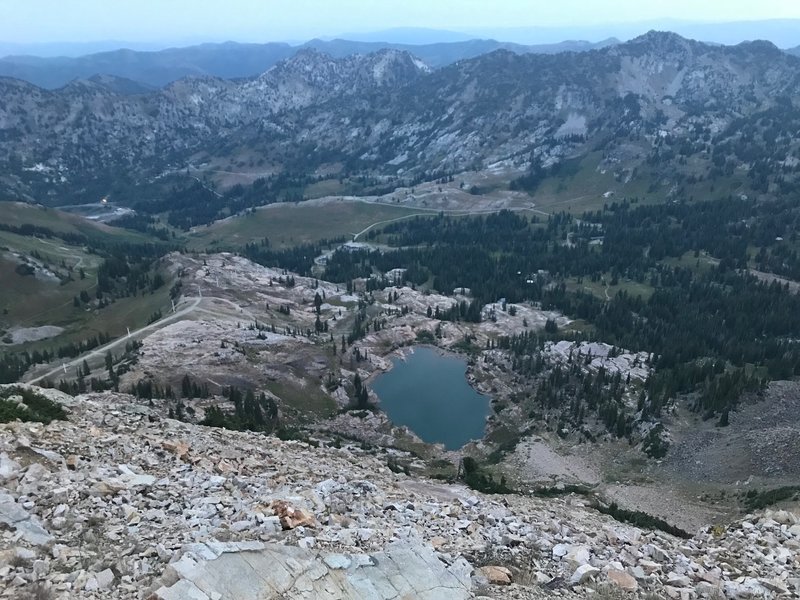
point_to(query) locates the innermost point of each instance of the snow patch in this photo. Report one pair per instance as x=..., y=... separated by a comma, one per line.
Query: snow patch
x=34, y=334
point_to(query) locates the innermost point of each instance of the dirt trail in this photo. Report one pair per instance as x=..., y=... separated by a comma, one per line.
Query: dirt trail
x=103, y=349
x=65, y=253
x=386, y=222
x=213, y=191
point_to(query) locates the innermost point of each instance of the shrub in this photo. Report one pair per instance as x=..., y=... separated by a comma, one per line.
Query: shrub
x=755, y=500
x=37, y=406
x=640, y=519
x=425, y=337
x=479, y=481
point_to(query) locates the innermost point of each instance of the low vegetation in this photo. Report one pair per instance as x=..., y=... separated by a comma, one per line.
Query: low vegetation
x=640, y=519
x=756, y=500
x=21, y=403
x=250, y=412
x=562, y=490
x=480, y=480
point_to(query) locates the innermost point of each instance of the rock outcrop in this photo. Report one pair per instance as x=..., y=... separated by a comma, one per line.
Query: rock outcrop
x=253, y=571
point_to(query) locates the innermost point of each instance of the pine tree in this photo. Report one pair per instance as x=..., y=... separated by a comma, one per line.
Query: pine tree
x=317, y=303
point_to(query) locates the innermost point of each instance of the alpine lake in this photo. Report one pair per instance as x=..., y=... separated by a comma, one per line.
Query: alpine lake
x=428, y=392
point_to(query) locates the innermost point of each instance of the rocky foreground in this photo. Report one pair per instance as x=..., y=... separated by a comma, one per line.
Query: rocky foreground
x=119, y=503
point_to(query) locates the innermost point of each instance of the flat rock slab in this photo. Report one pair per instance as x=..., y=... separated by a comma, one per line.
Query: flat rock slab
x=16, y=517
x=256, y=571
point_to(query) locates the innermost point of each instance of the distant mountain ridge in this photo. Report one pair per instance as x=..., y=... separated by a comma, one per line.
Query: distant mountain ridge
x=407, y=35
x=443, y=54
x=153, y=69
x=784, y=33
x=231, y=60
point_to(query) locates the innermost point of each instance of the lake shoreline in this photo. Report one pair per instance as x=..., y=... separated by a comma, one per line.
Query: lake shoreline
x=437, y=401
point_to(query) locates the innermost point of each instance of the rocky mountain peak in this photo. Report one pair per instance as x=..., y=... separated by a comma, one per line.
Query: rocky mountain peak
x=763, y=49
x=307, y=55
x=308, y=63
x=661, y=40
x=393, y=67
x=318, y=68
x=662, y=44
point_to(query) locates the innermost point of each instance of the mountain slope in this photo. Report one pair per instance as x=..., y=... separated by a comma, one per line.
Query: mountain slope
x=176, y=510
x=650, y=104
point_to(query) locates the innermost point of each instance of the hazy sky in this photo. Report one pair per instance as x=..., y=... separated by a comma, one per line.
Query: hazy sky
x=35, y=21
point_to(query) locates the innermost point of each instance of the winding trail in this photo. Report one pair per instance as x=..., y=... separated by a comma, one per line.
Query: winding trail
x=193, y=307
x=386, y=222
x=119, y=341
x=253, y=175
x=452, y=211
x=65, y=252
x=237, y=307
x=201, y=182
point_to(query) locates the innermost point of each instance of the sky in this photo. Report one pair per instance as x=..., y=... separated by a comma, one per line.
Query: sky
x=48, y=21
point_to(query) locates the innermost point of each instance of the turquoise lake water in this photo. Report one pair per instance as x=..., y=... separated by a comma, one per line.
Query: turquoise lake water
x=428, y=392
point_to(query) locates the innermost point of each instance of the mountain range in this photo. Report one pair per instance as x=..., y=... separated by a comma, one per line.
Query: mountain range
x=151, y=66
x=232, y=60
x=675, y=108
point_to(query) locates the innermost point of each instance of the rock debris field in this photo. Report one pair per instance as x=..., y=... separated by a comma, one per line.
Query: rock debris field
x=116, y=502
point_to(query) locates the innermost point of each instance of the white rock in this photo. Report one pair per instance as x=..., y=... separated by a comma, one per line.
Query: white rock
x=241, y=526
x=105, y=579
x=583, y=573
x=91, y=585
x=8, y=468
x=622, y=580
x=337, y=561
x=676, y=580
x=649, y=566
x=307, y=542
x=774, y=585
x=659, y=554
x=780, y=516
x=40, y=568
x=578, y=556
x=748, y=588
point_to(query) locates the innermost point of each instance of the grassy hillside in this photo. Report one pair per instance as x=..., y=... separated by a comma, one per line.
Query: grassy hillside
x=288, y=225
x=50, y=279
